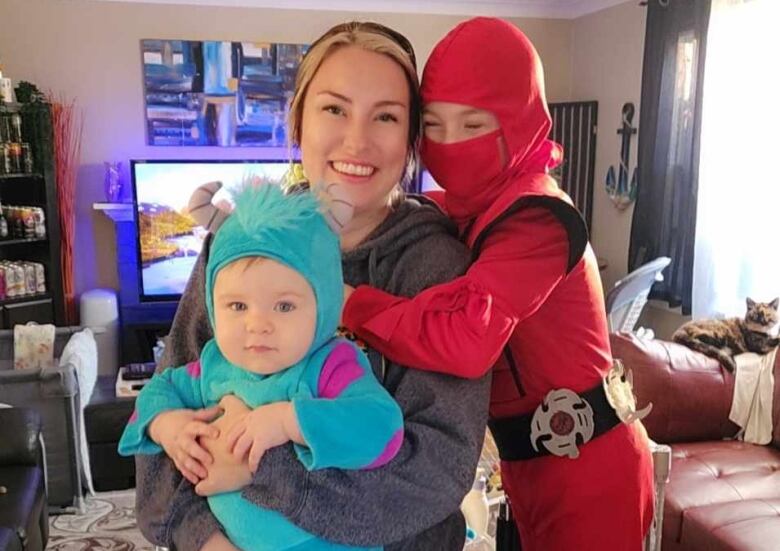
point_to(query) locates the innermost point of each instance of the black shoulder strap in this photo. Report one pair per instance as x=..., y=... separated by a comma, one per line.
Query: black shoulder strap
x=569, y=216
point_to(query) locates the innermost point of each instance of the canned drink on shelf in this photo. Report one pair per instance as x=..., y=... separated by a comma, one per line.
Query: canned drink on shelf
x=5, y=128
x=3, y=226
x=7, y=276
x=40, y=277
x=15, y=153
x=5, y=159
x=16, y=128
x=9, y=214
x=28, y=222
x=27, y=159
x=11, y=286
x=21, y=285
x=30, y=287
x=17, y=224
x=40, y=222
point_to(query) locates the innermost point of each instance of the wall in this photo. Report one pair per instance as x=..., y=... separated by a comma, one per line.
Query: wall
x=607, y=66
x=90, y=51
x=607, y=52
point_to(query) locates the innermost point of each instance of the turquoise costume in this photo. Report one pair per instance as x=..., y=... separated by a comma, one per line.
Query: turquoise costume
x=347, y=418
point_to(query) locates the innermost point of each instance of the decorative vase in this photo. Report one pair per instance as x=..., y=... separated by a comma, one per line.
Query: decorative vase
x=112, y=184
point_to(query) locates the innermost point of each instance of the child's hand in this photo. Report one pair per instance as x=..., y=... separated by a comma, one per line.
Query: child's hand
x=177, y=431
x=261, y=429
x=218, y=542
x=226, y=473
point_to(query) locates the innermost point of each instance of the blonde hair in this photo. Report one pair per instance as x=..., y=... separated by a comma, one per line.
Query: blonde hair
x=371, y=37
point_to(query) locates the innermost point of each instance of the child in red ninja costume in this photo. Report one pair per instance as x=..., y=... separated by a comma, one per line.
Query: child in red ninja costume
x=530, y=306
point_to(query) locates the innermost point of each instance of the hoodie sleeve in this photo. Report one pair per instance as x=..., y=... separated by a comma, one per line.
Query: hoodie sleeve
x=352, y=422
x=461, y=327
x=174, y=388
x=415, y=498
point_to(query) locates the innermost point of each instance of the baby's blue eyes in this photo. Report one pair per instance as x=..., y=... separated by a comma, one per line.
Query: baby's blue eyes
x=284, y=307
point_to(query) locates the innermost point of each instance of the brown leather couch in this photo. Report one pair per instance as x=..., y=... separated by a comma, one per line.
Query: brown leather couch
x=722, y=494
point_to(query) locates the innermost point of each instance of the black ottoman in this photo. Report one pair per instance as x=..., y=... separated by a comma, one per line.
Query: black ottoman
x=105, y=418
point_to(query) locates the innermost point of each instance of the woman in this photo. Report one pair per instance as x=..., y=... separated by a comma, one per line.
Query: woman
x=355, y=116
x=577, y=477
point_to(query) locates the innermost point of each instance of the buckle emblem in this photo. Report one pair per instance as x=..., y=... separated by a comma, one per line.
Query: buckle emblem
x=619, y=389
x=557, y=422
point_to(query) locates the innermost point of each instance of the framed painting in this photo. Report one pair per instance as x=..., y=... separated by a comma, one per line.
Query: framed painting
x=218, y=93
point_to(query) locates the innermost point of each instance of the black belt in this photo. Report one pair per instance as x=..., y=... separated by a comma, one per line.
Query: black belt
x=513, y=435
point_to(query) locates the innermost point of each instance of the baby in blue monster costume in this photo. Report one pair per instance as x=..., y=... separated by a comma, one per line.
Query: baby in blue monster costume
x=274, y=295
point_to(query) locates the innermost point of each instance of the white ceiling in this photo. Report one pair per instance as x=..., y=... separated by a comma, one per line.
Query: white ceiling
x=558, y=9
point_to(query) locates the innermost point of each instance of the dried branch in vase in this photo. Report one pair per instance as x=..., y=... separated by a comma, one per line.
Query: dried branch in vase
x=68, y=125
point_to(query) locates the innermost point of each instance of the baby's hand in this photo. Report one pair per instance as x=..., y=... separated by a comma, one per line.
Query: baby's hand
x=177, y=432
x=226, y=473
x=266, y=427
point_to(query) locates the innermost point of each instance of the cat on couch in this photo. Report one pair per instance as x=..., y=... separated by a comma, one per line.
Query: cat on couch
x=722, y=339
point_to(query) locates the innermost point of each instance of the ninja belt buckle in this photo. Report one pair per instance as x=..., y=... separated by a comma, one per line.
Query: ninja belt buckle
x=562, y=416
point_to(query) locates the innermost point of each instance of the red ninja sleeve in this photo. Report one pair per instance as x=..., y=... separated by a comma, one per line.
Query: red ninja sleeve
x=462, y=326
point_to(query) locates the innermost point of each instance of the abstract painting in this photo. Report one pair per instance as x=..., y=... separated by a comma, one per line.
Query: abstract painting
x=218, y=93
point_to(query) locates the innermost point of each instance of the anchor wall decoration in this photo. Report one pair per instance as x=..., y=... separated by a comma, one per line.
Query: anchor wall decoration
x=621, y=191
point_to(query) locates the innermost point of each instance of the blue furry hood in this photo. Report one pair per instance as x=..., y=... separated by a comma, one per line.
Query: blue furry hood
x=289, y=229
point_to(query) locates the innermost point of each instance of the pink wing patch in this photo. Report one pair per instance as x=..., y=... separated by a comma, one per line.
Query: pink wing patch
x=193, y=369
x=133, y=417
x=390, y=450
x=341, y=369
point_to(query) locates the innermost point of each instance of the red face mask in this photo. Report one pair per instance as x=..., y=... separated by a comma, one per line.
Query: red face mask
x=465, y=169
x=489, y=64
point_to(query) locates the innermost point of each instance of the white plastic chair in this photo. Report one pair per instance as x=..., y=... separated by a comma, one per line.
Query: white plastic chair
x=624, y=303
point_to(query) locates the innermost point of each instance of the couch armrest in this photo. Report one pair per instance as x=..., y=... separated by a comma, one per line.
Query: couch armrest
x=691, y=393
x=20, y=430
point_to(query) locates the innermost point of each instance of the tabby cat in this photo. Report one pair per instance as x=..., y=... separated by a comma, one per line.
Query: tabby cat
x=724, y=338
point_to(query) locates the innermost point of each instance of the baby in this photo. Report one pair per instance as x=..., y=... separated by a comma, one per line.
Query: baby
x=273, y=294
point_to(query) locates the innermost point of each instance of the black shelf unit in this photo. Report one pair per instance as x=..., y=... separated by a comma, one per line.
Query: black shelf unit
x=37, y=189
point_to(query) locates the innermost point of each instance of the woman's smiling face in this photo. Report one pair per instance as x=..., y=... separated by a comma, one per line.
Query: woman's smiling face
x=355, y=126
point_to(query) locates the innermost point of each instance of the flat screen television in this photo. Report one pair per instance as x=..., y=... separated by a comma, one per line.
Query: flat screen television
x=427, y=183
x=168, y=239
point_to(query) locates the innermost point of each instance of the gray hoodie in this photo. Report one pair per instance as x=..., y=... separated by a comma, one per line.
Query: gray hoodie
x=410, y=504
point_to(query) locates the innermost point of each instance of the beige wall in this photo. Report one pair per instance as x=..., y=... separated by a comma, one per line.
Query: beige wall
x=607, y=51
x=607, y=66
x=90, y=51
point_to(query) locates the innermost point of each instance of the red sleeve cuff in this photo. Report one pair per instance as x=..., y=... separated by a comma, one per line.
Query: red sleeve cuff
x=368, y=309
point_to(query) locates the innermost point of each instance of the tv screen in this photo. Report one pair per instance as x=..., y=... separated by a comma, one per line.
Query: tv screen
x=427, y=183
x=168, y=239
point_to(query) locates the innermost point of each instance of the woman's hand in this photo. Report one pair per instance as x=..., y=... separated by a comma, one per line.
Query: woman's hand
x=177, y=431
x=261, y=429
x=218, y=542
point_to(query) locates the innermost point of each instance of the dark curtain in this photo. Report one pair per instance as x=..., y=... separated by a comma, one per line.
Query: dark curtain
x=669, y=133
